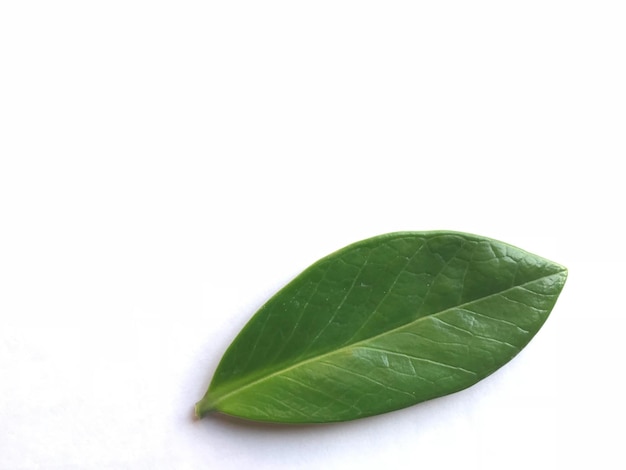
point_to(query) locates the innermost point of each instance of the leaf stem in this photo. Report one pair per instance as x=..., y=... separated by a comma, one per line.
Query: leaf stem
x=204, y=407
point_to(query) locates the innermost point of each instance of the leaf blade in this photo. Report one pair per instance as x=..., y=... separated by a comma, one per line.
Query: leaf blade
x=383, y=324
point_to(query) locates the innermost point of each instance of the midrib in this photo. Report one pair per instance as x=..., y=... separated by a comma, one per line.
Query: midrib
x=356, y=344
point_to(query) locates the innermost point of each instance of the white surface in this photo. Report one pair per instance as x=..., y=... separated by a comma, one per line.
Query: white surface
x=166, y=166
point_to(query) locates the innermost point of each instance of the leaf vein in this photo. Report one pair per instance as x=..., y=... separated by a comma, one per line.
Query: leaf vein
x=488, y=338
x=408, y=356
x=333, y=398
x=365, y=377
x=345, y=297
x=506, y=322
x=389, y=290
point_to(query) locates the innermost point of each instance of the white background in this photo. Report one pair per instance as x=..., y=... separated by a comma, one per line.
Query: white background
x=166, y=166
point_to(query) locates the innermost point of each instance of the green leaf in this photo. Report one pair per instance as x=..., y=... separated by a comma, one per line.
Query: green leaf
x=383, y=324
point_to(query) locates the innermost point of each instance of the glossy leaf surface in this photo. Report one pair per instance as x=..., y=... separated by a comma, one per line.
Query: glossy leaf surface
x=383, y=324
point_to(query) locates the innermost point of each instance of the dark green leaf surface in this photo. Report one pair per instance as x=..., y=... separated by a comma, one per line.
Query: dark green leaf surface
x=383, y=324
